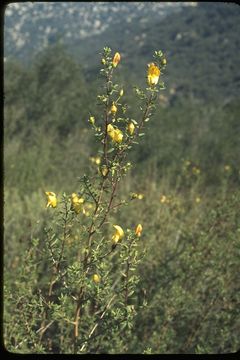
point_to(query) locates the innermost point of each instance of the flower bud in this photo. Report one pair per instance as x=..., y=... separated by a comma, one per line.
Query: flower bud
x=104, y=170
x=134, y=195
x=92, y=120
x=131, y=128
x=96, y=278
x=138, y=230
x=116, y=59
x=121, y=93
x=113, y=109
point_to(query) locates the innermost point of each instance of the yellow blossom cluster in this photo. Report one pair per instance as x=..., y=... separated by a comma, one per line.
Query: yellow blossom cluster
x=164, y=199
x=95, y=160
x=115, y=134
x=119, y=234
x=137, y=196
x=76, y=203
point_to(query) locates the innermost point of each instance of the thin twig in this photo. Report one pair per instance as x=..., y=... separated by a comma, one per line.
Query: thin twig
x=97, y=324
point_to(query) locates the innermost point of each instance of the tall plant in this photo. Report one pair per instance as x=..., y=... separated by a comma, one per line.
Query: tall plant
x=76, y=290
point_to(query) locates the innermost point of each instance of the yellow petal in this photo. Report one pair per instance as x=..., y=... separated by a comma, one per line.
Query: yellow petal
x=110, y=128
x=115, y=239
x=51, y=199
x=119, y=231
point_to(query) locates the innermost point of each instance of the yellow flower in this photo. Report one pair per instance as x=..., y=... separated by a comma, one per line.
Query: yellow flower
x=118, y=234
x=98, y=160
x=104, y=170
x=110, y=128
x=153, y=74
x=118, y=136
x=96, y=278
x=138, y=230
x=111, y=131
x=163, y=199
x=196, y=170
x=51, y=198
x=134, y=196
x=115, y=134
x=140, y=196
x=86, y=208
x=113, y=109
x=131, y=128
x=198, y=199
x=116, y=59
x=77, y=203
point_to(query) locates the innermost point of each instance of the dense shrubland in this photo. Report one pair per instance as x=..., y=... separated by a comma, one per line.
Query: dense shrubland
x=183, y=187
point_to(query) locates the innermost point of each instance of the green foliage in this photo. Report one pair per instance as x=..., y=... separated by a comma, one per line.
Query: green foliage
x=190, y=273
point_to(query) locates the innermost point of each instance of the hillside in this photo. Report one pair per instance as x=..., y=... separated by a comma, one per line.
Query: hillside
x=30, y=27
x=201, y=43
x=200, y=40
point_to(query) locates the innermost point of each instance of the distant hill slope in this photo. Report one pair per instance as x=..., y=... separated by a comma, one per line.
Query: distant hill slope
x=202, y=45
x=201, y=42
x=31, y=26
